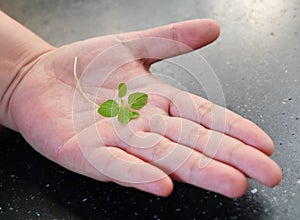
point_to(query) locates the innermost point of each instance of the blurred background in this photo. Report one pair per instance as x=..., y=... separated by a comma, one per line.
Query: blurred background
x=256, y=60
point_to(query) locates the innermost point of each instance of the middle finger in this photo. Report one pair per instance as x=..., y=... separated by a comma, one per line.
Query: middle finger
x=185, y=164
x=219, y=146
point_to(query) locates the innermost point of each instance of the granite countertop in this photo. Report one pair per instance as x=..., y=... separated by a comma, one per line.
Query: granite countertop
x=257, y=63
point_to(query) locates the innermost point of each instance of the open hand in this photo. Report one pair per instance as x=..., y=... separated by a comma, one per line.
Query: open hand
x=174, y=137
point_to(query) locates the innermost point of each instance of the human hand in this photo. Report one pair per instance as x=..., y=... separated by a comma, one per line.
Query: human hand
x=169, y=141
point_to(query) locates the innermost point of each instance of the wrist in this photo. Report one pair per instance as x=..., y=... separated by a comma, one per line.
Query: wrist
x=19, y=49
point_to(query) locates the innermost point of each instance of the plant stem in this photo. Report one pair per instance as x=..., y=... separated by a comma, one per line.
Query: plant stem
x=79, y=87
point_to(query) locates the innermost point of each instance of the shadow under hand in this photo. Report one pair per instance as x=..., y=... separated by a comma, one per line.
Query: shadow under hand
x=32, y=186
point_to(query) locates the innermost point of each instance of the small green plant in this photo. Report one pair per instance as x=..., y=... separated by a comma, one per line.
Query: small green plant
x=112, y=108
x=124, y=111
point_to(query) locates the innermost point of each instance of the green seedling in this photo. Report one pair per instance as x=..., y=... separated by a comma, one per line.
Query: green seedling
x=112, y=108
x=124, y=111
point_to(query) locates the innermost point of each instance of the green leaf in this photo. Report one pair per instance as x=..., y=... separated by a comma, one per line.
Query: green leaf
x=137, y=100
x=109, y=108
x=122, y=90
x=135, y=115
x=124, y=115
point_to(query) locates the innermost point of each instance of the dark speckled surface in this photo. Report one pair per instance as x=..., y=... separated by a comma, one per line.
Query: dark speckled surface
x=257, y=62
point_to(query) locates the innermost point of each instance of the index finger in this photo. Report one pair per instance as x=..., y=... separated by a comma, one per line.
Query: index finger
x=202, y=111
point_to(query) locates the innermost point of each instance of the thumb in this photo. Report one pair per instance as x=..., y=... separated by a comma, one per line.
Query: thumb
x=171, y=40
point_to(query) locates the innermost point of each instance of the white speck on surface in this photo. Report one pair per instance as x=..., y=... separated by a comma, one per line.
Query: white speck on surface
x=298, y=182
x=37, y=214
x=254, y=191
x=155, y=216
x=47, y=185
x=84, y=200
x=283, y=103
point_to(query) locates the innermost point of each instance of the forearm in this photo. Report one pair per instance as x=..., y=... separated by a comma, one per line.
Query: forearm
x=18, y=48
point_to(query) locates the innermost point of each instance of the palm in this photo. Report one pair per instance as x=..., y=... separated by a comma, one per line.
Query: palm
x=165, y=141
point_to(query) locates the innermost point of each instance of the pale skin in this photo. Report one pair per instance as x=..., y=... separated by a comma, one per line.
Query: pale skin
x=37, y=90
